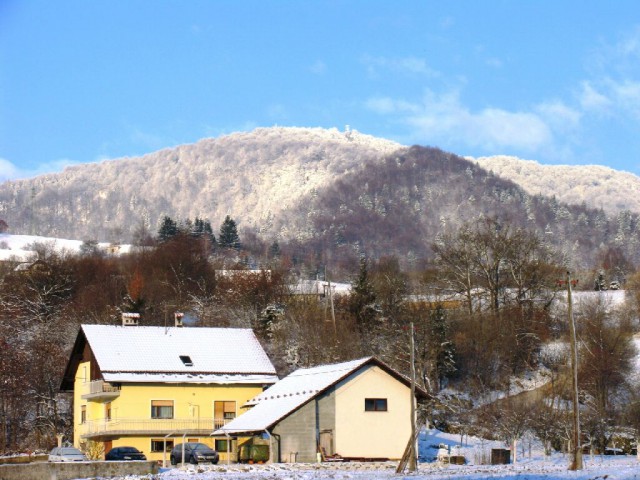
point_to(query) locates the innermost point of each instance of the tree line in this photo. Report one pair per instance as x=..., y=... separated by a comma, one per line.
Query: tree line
x=482, y=313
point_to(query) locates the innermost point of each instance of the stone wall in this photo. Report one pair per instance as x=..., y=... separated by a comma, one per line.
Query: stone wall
x=72, y=470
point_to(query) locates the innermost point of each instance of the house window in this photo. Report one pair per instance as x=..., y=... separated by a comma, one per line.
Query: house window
x=161, y=408
x=221, y=446
x=107, y=411
x=375, y=404
x=157, y=445
x=224, y=411
x=186, y=359
x=83, y=414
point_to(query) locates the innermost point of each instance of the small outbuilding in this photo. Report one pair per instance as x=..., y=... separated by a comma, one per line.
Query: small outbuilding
x=353, y=410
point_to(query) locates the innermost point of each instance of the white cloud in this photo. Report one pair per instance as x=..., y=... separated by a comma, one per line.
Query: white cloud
x=629, y=46
x=592, y=99
x=8, y=171
x=613, y=86
x=627, y=94
x=560, y=116
x=443, y=117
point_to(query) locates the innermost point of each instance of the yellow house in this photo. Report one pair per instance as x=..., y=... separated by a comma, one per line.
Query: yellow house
x=355, y=410
x=153, y=387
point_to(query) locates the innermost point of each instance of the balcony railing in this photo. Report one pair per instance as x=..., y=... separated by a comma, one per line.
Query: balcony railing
x=100, y=390
x=154, y=426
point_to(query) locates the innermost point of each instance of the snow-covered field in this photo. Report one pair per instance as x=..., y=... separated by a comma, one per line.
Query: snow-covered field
x=20, y=247
x=531, y=465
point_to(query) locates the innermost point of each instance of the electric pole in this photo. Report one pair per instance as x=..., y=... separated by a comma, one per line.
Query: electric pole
x=413, y=458
x=576, y=462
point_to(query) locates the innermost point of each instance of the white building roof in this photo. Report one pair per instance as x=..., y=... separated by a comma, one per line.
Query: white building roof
x=288, y=395
x=319, y=287
x=152, y=354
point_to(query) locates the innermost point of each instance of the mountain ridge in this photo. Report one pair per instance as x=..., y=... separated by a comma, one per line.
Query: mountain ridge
x=323, y=188
x=593, y=184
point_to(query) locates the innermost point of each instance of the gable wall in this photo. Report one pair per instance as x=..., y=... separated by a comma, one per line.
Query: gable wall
x=372, y=434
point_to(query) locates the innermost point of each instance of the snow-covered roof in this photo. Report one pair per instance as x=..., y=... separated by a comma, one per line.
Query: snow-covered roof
x=221, y=378
x=319, y=287
x=174, y=354
x=289, y=394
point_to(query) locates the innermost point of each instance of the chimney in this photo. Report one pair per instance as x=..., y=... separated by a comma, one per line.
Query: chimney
x=130, y=319
x=178, y=318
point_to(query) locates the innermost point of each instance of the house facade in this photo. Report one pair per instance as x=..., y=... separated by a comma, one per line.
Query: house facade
x=359, y=410
x=153, y=387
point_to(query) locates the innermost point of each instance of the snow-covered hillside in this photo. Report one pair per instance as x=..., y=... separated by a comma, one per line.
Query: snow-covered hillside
x=597, y=186
x=22, y=248
x=251, y=176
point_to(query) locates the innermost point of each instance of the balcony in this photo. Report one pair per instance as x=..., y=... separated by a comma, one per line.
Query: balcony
x=99, y=391
x=196, y=427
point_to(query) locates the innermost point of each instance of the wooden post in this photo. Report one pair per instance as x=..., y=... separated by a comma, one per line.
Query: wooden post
x=413, y=458
x=409, y=458
x=576, y=461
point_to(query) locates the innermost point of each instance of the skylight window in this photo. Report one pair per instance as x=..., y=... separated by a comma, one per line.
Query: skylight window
x=186, y=359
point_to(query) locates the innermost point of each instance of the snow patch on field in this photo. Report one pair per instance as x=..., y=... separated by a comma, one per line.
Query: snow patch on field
x=532, y=465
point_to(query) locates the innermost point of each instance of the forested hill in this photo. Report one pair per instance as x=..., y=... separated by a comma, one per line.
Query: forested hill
x=250, y=176
x=324, y=190
x=595, y=185
x=400, y=205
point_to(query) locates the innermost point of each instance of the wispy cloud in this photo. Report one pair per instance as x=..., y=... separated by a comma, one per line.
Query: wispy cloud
x=591, y=99
x=610, y=88
x=9, y=171
x=318, y=67
x=613, y=86
x=150, y=141
x=406, y=65
x=277, y=111
x=559, y=115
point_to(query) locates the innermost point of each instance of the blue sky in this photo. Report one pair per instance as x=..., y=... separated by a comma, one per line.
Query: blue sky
x=552, y=81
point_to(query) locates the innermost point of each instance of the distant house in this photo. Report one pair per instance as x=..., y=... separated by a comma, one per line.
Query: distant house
x=320, y=289
x=38, y=266
x=359, y=409
x=149, y=387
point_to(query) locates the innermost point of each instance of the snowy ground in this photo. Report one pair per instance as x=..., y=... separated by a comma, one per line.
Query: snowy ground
x=20, y=247
x=531, y=465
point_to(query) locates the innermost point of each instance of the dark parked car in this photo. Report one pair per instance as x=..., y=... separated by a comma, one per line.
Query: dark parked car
x=125, y=453
x=193, y=453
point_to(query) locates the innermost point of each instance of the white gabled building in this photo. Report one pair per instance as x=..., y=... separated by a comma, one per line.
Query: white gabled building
x=359, y=409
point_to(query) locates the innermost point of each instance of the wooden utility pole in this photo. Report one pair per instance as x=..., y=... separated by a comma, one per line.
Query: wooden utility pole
x=329, y=296
x=576, y=462
x=413, y=458
x=410, y=458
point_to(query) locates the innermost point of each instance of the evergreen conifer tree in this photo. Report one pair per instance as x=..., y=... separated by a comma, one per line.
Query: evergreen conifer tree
x=362, y=302
x=229, y=237
x=442, y=347
x=168, y=229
